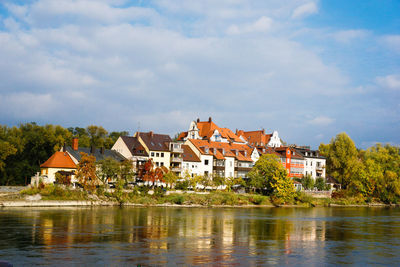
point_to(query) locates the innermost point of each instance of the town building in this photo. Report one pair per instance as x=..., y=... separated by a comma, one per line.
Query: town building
x=158, y=147
x=314, y=163
x=260, y=138
x=59, y=162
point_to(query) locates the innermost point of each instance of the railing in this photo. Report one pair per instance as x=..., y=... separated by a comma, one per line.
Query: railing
x=176, y=149
x=175, y=159
x=176, y=169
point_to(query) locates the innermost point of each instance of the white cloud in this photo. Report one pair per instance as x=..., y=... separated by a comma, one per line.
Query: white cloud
x=263, y=24
x=26, y=105
x=321, y=121
x=392, y=42
x=305, y=10
x=391, y=82
x=347, y=36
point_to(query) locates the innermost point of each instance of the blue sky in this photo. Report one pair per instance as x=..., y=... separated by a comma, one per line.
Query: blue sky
x=306, y=68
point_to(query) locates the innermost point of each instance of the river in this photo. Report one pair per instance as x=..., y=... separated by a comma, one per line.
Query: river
x=128, y=236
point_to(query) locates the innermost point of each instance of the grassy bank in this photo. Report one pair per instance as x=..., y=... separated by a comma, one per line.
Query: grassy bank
x=159, y=197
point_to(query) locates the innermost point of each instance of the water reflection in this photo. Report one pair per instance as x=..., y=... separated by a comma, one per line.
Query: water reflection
x=198, y=236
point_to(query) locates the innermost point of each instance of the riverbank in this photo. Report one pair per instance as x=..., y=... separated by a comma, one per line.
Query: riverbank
x=60, y=197
x=76, y=203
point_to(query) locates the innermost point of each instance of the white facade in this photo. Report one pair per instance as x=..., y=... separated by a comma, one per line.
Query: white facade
x=49, y=174
x=160, y=158
x=121, y=147
x=274, y=141
x=229, y=167
x=192, y=168
x=314, y=167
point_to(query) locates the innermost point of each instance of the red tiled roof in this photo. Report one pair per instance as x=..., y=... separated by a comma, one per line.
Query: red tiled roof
x=217, y=148
x=59, y=160
x=254, y=138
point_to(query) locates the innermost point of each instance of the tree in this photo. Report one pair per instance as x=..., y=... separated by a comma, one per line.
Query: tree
x=126, y=171
x=97, y=135
x=86, y=172
x=342, y=158
x=320, y=183
x=170, y=178
x=307, y=182
x=107, y=168
x=269, y=176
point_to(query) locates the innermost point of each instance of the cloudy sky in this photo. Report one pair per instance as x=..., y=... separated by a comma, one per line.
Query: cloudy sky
x=307, y=68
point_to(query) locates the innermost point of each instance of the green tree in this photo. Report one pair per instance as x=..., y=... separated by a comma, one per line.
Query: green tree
x=320, y=183
x=107, y=168
x=269, y=176
x=126, y=171
x=342, y=158
x=97, y=135
x=170, y=178
x=307, y=182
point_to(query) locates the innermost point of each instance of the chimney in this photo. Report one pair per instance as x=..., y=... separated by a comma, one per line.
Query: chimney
x=92, y=149
x=102, y=150
x=75, y=143
x=198, y=120
x=209, y=119
x=151, y=134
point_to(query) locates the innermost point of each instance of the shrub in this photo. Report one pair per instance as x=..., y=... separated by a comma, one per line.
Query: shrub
x=256, y=199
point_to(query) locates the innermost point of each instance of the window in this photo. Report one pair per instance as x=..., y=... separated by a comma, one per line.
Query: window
x=206, y=162
x=152, y=154
x=157, y=154
x=311, y=163
x=162, y=163
x=162, y=154
x=231, y=165
x=157, y=164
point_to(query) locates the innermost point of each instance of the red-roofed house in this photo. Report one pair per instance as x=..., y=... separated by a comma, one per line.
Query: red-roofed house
x=59, y=162
x=208, y=130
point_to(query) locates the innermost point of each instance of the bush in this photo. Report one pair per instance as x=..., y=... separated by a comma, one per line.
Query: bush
x=159, y=192
x=256, y=199
x=182, y=185
x=176, y=199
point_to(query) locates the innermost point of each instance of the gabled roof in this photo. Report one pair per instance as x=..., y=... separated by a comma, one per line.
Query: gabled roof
x=189, y=155
x=256, y=138
x=155, y=142
x=59, y=160
x=107, y=153
x=134, y=146
x=220, y=150
x=282, y=150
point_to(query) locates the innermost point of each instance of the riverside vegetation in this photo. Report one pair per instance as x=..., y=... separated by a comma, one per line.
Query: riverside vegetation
x=366, y=176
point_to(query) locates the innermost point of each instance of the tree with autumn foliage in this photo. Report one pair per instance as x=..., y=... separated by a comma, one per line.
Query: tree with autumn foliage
x=86, y=172
x=270, y=177
x=148, y=173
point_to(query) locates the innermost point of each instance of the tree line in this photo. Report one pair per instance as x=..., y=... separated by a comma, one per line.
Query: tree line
x=23, y=148
x=371, y=174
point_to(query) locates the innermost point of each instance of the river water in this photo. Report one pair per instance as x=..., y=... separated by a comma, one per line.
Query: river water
x=130, y=236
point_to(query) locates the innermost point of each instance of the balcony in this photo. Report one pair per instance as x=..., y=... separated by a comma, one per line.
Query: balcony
x=219, y=168
x=176, y=159
x=176, y=148
x=243, y=169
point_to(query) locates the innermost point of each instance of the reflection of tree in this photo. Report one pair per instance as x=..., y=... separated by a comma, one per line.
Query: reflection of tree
x=199, y=236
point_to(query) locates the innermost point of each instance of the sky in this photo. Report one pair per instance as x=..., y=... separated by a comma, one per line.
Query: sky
x=309, y=69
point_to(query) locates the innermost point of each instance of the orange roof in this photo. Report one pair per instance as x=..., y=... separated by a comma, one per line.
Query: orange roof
x=207, y=128
x=257, y=138
x=59, y=160
x=221, y=150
